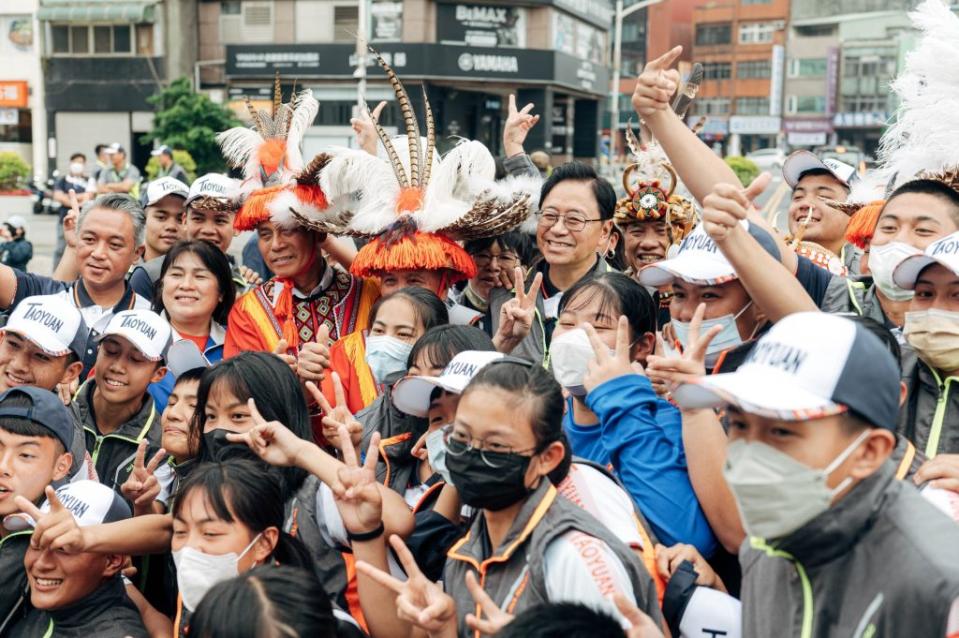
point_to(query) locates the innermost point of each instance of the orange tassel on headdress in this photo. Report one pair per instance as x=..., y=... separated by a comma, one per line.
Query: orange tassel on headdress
x=862, y=224
x=256, y=208
x=271, y=154
x=409, y=200
x=418, y=251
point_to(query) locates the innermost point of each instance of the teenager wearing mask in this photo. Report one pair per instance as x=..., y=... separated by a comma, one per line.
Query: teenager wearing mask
x=366, y=361
x=114, y=406
x=522, y=547
x=195, y=294
x=163, y=204
x=622, y=422
x=811, y=431
x=35, y=452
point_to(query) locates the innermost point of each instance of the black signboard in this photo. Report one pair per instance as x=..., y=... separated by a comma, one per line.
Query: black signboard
x=481, y=25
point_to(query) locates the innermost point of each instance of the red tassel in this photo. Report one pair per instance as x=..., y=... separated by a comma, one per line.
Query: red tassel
x=862, y=225
x=283, y=311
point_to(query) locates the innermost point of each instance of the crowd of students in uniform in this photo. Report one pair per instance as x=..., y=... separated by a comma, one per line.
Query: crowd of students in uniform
x=444, y=411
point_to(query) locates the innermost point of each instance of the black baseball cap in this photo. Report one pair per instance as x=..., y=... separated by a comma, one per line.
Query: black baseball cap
x=47, y=411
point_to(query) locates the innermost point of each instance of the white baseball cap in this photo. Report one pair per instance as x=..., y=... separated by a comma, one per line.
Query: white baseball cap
x=943, y=251
x=412, y=394
x=808, y=366
x=214, y=186
x=803, y=161
x=90, y=502
x=163, y=186
x=16, y=221
x=146, y=330
x=162, y=150
x=52, y=323
x=699, y=260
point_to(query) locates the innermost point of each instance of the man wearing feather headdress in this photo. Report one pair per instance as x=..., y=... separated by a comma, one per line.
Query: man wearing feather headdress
x=308, y=302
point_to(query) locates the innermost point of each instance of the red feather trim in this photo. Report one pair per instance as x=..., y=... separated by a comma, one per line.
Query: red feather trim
x=419, y=251
x=312, y=195
x=256, y=208
x=862, y=225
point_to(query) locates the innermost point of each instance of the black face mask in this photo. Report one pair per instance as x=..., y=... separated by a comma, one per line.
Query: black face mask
x=218, y=448
x=485, y=487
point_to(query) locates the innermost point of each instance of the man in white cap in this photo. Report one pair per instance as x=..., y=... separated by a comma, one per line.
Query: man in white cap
x=211, y=204
x=168, y=167
x=115, y=407
x=814, y=181
x=833, y=540
x=163, y=204
x=76, y=594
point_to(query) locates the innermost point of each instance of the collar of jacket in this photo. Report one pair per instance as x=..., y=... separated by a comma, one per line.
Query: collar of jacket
x=83, y=401
x=110, y=594
x=838, y=529
x=470, y=548
x=541, y=265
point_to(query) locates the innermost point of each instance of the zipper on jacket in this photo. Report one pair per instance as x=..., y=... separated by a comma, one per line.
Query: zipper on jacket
x=807, y=599
x=935, y=431
x=101, y=438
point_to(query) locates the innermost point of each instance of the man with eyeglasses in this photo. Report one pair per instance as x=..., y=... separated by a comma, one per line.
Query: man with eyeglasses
x=576, y=216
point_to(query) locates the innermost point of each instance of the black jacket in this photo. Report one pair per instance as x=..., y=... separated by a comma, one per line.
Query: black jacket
x=106, y=613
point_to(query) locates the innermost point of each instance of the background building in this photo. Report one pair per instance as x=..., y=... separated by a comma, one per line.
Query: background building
x=467, y=56
x=741, y=44
x=22, y=119
x=102, y=60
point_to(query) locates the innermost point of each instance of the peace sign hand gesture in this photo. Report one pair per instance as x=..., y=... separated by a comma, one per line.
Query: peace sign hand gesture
x=271, y=441
x=141, y=487
x=335, y=416
x=673, y=371
x=606, y=366
x=656, y=85
x=494, y=618
x=516, y=315
x=419, y=601
x=56, y=529
x=517, y=127
x=356, y=493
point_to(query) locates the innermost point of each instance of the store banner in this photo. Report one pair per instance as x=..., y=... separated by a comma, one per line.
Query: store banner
x=386, y=19
x=14, y=94
x=481, y=25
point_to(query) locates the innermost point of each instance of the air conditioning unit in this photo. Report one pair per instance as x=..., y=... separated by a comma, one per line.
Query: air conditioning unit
x=257, y=22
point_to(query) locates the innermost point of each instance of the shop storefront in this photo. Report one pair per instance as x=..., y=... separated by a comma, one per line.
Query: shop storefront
x=753, y=132
x=860, y=130
x=808, y=132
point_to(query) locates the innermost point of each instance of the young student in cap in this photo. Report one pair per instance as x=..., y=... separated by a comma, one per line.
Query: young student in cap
x=163, y=203
x=115, y=407
x=834, y=541
x=168, y=167
x=78, y=595
x=42, y=345
x=818, y=229
x=36, y=436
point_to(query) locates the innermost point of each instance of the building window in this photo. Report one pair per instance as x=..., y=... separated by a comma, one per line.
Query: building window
x=865, y=104
x=231, y=7
x=709, y=34
x=717, y=70
x=711, y=106
x=100, y=39
x=806, y=104
x=752, y=106
x=21, y=132
x=816, y=30
x=754, y=69
x=346, y=23
x=757, y=32
x=807, y=67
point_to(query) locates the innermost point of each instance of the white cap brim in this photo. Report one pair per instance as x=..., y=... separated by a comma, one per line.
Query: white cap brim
x=907, y=272
x=689, y=267
x=412, y=394
x=41, y=337
x=802, y=161
x=760, y=391
x=147, y=349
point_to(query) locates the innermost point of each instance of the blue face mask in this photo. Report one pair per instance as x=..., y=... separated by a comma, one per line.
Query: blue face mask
x=727, y=338
x=386, y=356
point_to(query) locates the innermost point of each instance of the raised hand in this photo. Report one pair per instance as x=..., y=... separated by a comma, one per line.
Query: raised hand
x=363, y=126
x=335, y=416
x=656, y=85
x=605, y=366
x=494, y=618
x=674, y=371
x=70, y=220
x=271, y=441
x=727, y=205
x=419, y=601
x=942, y=472
x=314, y=356
x=141, y=487
x=281, y=349
x=668, y=560
x=356, y=493
x=55, y=530
x=517, y=127
x=516, y=315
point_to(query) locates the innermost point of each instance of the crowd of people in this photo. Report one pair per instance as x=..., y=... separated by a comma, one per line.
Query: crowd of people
x=464, y=396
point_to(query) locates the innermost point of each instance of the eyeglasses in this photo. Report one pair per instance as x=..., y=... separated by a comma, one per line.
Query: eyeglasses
x=495, y=455
x=573, y=223
x=505, y=259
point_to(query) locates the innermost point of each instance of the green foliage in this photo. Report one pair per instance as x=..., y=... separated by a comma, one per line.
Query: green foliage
x=745, y=169
x=181, y=157
x=190, y=121
x=13, y=171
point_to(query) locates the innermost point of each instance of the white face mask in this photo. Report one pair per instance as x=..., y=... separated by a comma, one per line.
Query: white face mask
x=934, y=333
x=777, y=494
x=386, y=355
x=436, y=453
x=883, y=261
x=727, y=338
x=569, y=354
x=197, y=572
x=76, y=168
